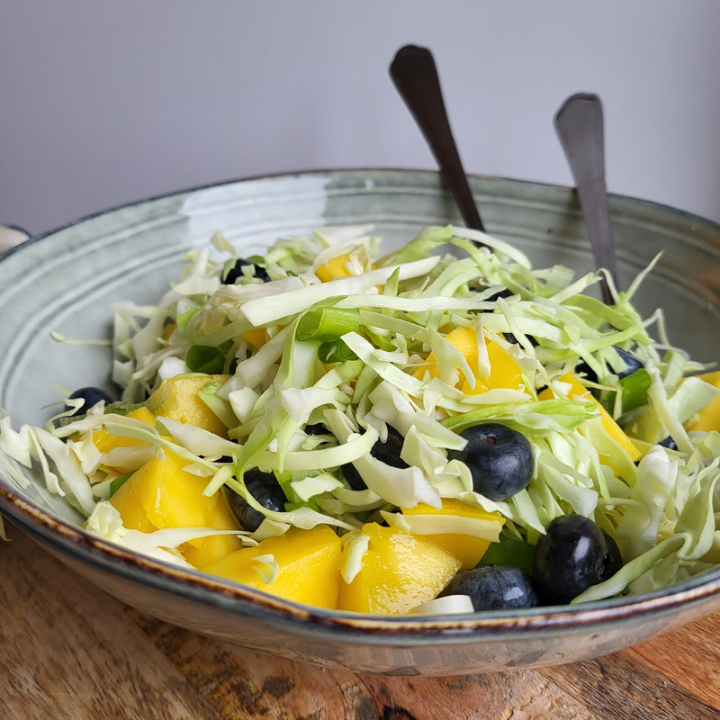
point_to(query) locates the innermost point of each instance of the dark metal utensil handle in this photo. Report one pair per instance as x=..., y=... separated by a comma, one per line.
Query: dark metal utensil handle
x=415, y=76
x=579, y=124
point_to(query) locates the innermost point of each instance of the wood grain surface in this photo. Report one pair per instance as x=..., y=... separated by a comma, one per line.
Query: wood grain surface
x=68, y=650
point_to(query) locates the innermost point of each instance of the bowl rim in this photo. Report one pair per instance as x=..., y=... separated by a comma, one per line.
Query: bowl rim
x=71, y=540
x=617, y=197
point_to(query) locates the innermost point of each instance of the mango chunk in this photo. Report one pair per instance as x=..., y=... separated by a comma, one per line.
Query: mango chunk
x=334, y=268
x=337, y=267
x=612, y=428
x=184, y=405
x=257, y=337
x=466, y=548
x=308, y=562
x=708, y=418
x=169, y=330
x=105, y=442
x=161, y=494
x=400, y=571
x=504, y=370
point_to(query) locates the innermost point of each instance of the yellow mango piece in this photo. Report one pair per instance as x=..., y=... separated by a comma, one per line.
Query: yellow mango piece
x=708, y=418
x=160, y=494
x=130, y=500
x=185, y=406
x=466, y=548
x=612, y=428
x=308, y=560
x=504, y=370
x=169, y=330
x=105, y=442
x=400, y=571
x=334, y=268
x=257, y=337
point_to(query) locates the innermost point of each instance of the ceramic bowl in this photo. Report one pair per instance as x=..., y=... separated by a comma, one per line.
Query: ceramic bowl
x=66, y=280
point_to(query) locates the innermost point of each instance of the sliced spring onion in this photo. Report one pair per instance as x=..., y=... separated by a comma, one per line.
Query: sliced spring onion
x=205, y=359
x=635, y=389
x=327, y=324
x=336, y=352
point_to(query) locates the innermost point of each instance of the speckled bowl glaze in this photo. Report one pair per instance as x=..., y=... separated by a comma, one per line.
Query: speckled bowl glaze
x=66, y=280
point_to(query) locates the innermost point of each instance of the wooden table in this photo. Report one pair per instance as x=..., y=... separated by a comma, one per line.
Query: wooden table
x=68, y=650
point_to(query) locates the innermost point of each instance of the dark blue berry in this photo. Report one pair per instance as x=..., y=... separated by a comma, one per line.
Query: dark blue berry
x=92, y=396
x=583, y=370
x=316, y=429
x=669, y=443
x=499, y=587
x=570, y=557
x=512, y=339
x=265, y=488
x=506, y=293
x=499, y=458
x=387, y=452
x=353, y=477
x=235, y=273
x=613, y=561
x=632, y=364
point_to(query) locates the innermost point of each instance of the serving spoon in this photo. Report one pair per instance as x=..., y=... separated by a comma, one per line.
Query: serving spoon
x=579, y=125
x=416, y=78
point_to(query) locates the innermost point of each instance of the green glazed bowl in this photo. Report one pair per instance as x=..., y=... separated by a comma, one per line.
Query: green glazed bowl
x=65, y=281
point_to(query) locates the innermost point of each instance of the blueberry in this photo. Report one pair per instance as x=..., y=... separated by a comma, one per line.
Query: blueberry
x=478, y=285
x=632, y=364
x=235, y=273
x=669, y=443
x=572, y=556
x=499, y=587
x=265, y=488
x=512, y=339
x=500, y=460
x=387, y=452
x=506, y=293
x=583, y=370
x=353, y=477
x=316, y=429
x=613, y=561
x=92, y=396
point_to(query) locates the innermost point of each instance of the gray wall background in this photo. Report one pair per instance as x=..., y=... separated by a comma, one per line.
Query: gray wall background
x=102, y=103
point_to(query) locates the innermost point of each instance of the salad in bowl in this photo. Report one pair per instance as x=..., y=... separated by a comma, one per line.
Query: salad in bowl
x=433, y=430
